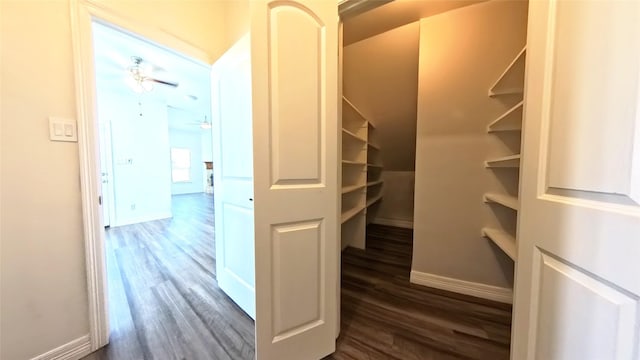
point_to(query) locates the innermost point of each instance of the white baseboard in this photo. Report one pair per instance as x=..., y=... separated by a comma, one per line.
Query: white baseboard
x=407, y=224
x=489, y=292
x=72, y=350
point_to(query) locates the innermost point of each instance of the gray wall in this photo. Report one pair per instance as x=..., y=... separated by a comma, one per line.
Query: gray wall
x=462, y=53
x=381, y=80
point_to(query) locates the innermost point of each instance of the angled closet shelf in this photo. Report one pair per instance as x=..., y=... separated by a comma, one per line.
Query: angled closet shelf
x=508, y=201
x=361, y=174
x=505, y=241
x=511, y=120
x=509, y=84
x=511, y=161
x=511, y=81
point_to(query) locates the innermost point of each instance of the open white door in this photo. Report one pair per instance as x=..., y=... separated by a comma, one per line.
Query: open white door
x=106, y=172
x=294, y=58
x=233, y=175
x=578, y=271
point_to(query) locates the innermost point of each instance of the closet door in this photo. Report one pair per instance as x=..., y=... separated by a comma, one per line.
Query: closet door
x=294, y=49
x=233, y=175
x=577, y=293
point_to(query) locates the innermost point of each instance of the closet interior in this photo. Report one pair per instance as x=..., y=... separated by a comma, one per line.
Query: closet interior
x=361, y=174
x=453, y=78
x=510, y=83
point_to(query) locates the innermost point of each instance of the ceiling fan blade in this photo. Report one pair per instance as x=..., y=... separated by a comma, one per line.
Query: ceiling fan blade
x=168, y=83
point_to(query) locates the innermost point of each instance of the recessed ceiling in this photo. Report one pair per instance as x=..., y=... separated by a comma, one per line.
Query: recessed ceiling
x=114, y=50
x=395, y=14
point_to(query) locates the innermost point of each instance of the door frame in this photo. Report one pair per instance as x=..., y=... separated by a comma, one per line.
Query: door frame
x=83, y=13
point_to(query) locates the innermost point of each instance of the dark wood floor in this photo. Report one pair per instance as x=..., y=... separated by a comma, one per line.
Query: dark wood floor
x=386, y=317
x=165, y=303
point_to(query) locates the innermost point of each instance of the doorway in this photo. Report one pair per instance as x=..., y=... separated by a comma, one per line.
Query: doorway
x=156, y=162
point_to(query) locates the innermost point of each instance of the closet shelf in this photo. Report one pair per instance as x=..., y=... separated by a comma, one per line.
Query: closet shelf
x=351, y=188
x=512, y=161
x=363, y=119
x=356, y=163
x=354, y=135
x=371, y=125
x=511, y=120
x=373, y=146
x=516, y=65
x=374, y=200
x=373, y=183
x=503, y=240
x=504, y=200
x=375, y=165
x=350, y=213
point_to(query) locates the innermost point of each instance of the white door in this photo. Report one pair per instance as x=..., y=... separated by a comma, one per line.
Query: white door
x=578, y=271
x=233, y=175
x=106, y=172
x=294, y=58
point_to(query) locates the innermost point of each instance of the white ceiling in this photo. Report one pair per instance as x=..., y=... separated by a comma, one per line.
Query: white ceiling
x=113, y=52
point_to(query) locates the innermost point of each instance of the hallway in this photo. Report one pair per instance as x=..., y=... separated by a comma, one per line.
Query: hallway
x=164, y=300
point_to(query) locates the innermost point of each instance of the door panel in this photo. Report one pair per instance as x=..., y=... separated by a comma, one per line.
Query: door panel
x=303, y=276
x=562, y=320
x=577, y=293
x=294, y=48
x=233, y=174
x=296, y=125
x=589, y=37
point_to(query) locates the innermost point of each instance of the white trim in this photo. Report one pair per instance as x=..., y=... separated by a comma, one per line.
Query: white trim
x=89, y=179
x=83, y=12
x=489, y=292
x=73, y=350
x=407, y=224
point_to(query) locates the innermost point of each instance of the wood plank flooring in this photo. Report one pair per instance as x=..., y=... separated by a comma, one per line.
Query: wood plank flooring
x=386, y=317
x=164, y=301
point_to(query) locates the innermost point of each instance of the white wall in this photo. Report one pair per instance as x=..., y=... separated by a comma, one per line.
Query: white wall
x=43, y=294
x=140, y=150
x=462, y=53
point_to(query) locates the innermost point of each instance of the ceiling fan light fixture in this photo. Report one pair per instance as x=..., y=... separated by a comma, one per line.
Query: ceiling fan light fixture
x=206, y=124
x=139, y=85
x=137, y=80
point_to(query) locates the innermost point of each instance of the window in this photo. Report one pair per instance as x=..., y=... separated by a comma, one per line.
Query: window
x=180, y=165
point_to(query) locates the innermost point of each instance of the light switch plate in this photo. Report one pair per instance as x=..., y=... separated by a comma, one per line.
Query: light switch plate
x=62, y=129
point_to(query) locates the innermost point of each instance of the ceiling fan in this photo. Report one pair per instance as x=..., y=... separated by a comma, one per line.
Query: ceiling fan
x=204, y=124
x=140, y=79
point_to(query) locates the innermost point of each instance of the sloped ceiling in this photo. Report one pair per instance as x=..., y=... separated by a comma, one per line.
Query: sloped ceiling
x=395, y=14
x=381, y=79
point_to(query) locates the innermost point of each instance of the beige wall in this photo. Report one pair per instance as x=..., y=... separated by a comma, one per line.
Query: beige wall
x=236, y=19
x=43, y=286
x=396, y=207
x=462, y=53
